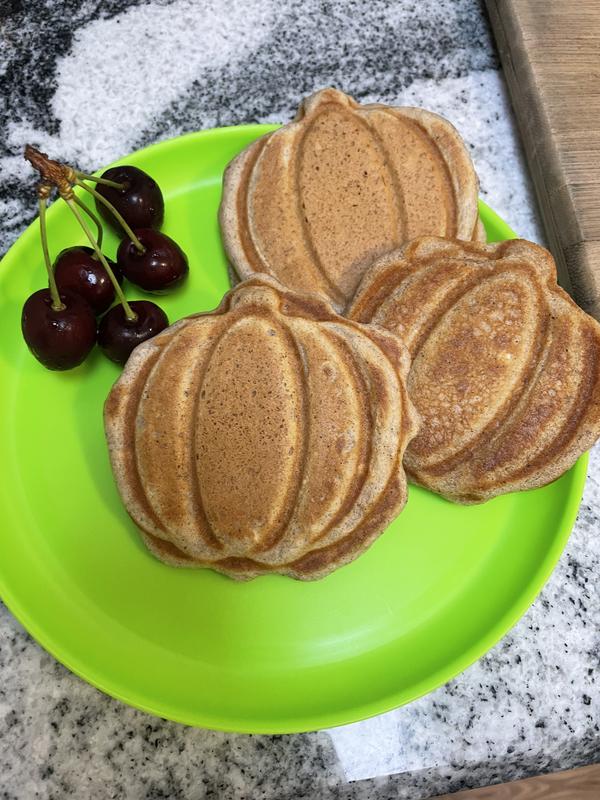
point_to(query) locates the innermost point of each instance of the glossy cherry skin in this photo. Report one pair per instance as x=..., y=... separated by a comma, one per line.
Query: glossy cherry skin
x=161, y=266
x=140, y=201
x=118, y=336
x=76, y=270
x=58, y=339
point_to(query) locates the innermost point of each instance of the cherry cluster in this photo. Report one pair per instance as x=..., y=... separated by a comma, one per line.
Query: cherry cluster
x=61, y=324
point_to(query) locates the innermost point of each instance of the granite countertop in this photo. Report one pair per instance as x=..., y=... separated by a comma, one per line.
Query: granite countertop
x=89, y=81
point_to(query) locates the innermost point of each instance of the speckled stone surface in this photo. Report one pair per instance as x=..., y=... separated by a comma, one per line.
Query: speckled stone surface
x=157, y=69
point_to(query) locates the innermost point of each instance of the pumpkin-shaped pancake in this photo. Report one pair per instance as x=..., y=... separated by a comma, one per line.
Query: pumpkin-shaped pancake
x=506, y=368
x=265, y=436
x=341, y=184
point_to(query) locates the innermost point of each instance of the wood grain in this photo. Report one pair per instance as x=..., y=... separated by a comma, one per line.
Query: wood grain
x=575, y=784
x=550, y=51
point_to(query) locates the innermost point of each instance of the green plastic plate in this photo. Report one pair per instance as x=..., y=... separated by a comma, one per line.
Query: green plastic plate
x=433, y=594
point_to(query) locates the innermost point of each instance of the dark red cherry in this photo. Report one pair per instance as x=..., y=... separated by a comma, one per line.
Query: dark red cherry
x=161, y=265
x=76, y=270
x=118, y=336
x=140, y=201
x=58, y=339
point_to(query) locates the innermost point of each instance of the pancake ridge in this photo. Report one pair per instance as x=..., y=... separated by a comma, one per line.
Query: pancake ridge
x=240, y=456
x=273, y=196
x=335, y=189
x=245, y=242
x=574, y=414
x=451, y=223
x=365, y=437
x=283, y=529
x=365, y=428
x=193, y=454
x=177, y=516
x=308, y=241
x=399, y=192
x=496, y=409
x=122, y=407
x=311, y=445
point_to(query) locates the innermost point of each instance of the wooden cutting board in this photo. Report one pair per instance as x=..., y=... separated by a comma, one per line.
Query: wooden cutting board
x=576, y=784
x=550, y=52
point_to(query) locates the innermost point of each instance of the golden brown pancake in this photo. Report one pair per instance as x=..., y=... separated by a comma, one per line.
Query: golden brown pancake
x=341, y=184
x=265, y=436
x=506, y=368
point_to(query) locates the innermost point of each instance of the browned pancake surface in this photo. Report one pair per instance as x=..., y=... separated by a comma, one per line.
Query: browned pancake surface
x=266, y=436
x=505, y=371
x=312, y=202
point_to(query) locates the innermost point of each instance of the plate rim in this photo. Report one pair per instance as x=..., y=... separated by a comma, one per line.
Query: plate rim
x=429, y=683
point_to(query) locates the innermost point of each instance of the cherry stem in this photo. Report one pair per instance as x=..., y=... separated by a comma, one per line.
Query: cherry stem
x=57, y=304
x=115, y=213
x=129, y=313
x=84, y=176
x=94, y=219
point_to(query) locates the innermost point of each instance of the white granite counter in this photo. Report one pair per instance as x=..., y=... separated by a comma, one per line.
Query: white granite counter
x=89, y=81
